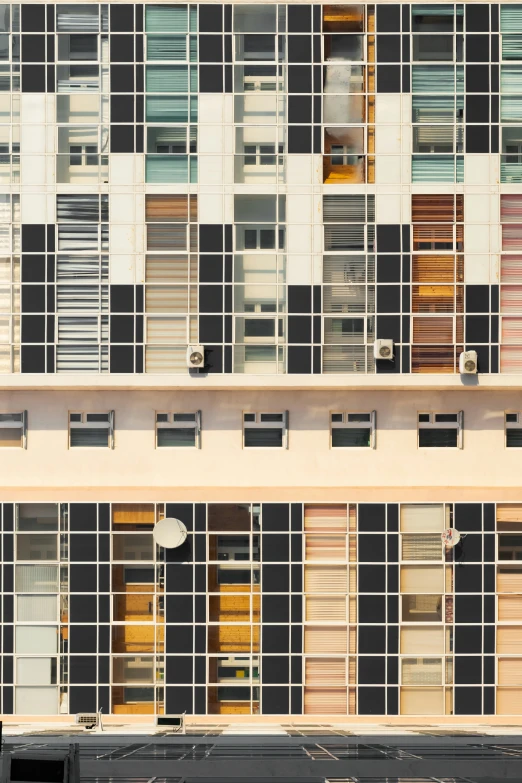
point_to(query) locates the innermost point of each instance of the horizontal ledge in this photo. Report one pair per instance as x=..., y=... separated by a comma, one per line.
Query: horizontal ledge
x=272, y=494
x=209, y=382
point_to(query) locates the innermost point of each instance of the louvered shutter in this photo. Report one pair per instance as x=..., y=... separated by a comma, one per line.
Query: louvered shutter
x=324, y=701
x=329, y=640
x=421, y=701
x=509, y=639
x=163, y=359
x=509, y=671
x=509, y=580
x=329, y=608
x=509, y=701
x=325, y=671
x=326, y=579
x=510, y=608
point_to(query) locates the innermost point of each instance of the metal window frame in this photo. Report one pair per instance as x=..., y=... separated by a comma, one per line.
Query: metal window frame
x=345, y=425
x=182, y=425
x=442, y=425
x=16, y=425
x=259, y=425
x=89, y=425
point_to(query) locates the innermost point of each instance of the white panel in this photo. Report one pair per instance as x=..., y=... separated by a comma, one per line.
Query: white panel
x=476, y=268
x=33, y=208
x=299, y=169
x=228, y=208
x=494, y=266
x=406, y=109
x=210, y=170
x=299, y=209
x=387, y=107
x=299, y=270
x=32, y=108
x=30, y=140
x=387, y=208
x=476, y=169
x=317, y=263
x=210, y=208
x=121, y=269
x=495, y=238
x=210, y=139
x=121, y=208
x=494, y=169
x=36, y=639
x=210, y=109
x=406, y=169
x=121, y=239
x=388, y=169
x=477, y=208
x=36, y=607
x=388, y=139
x=36, y=701
x=476, y=238
x=406, y=209
x=51, y=208
x=299, y=239
x=32, y=169
x=33, y=671
x=121, y=169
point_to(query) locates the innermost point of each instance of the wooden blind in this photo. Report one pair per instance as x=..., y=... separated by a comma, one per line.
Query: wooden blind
x=326, y=640
x=166, y=209
x=437, y=269
x=325, y=547
x=135, y=513
x=509, y=581
x=509, y=701
x=166, y=269
x=433, y=299
x=509, y=639
x=352, y=549
x=509, y=512
x=422, y=518
x=326, y=579
x=325, y=518
x=509, y=671
x=422, y=640
x=435, y=209
x=433, y=330
x=510, y=607
x=352, y=609
x=427, y=359
x=325, y=701
x=352, y=577
x=511, y=359
x=422, y=701
x=328, y=608
x=422, y=579
x=325, y=671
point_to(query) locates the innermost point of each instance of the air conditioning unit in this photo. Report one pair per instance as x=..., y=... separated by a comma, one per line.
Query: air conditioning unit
x=468, y=363
x=195, y=357
x=383, y=349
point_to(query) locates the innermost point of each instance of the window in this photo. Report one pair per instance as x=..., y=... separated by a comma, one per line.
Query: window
x=353, y=430
x=13, y=430
x=441, y=430
x=265, y=430
x=262, y=154
x=83, y=155
x=91, y=430
x=178, y=430
x=513, y=430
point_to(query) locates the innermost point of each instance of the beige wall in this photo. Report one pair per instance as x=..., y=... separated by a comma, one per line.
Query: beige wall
x=309, y=463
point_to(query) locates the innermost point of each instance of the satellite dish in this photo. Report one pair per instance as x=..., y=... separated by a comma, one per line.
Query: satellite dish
x=169, y=533
x=450, y=537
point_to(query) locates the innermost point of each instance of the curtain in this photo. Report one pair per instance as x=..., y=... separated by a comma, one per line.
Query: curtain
x=422, y=640
x=421, y=579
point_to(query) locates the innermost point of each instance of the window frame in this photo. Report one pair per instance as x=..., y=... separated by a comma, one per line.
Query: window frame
x=90, y=425
x=16, y=425
x=182, y=425
x=259, y=425
x=345, y=424
x=442, y=425
x=511, y=426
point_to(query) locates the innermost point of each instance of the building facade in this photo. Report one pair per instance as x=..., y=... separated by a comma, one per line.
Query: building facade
x=277, y=186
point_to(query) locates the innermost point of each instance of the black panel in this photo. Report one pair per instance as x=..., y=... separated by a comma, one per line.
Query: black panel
x=388, y=80
x=275, y=609
x=371, y=670
x=82, y=699
x=388, y=238
x=274, y=548
x=299, y=78
x=179, y=669
x=468, y=608
x=300, y=139
x=275, y=669
x=33, y=358
x=477, y=78
x=33, y=18
x=468, y=701
x=388, y=18
x=211, y=327
x=122, y=49
x=388, y=49
x=210, y=77
x=82, y=669
x=122, y=78
x=178, y=699
x=477, y=48
x=468, y=578
x=211, y=49
x=371, y=701
x=83, y=609
x=178, y=639
x=275, y=700
x=83, y=639
x=371, y=548
x=83, y=547
x=468, y=638
x=372, y=579
x=82, y=516
x=477, y=138
x=275, y=517
x=83, y=578
x=275, y=578
x=299, y=359
x=372, y=608
x=274, y=638
x=372, y=517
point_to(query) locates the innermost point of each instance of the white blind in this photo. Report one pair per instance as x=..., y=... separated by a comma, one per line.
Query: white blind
x=422, y=701
x=36, y=638
x=326, y=608
x=326, y=579
x=422, y=518
x=36, y=579
x=422, y=579
x=36, y=607
x=326, y=640
x=160, y=359
x=33, y=671
x=36, y=700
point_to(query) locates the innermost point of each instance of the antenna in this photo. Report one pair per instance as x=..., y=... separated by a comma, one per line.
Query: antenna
x=450, y=537
x=169, y=533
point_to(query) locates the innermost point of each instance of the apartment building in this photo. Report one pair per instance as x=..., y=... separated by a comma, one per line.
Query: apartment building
x=244, y=247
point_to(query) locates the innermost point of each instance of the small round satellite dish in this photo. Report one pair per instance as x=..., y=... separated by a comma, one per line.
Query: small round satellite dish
x=169, y=533
x=450, y=537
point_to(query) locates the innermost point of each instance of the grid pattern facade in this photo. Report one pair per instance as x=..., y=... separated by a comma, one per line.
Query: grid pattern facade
x=280, y=184
x=272, y=609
